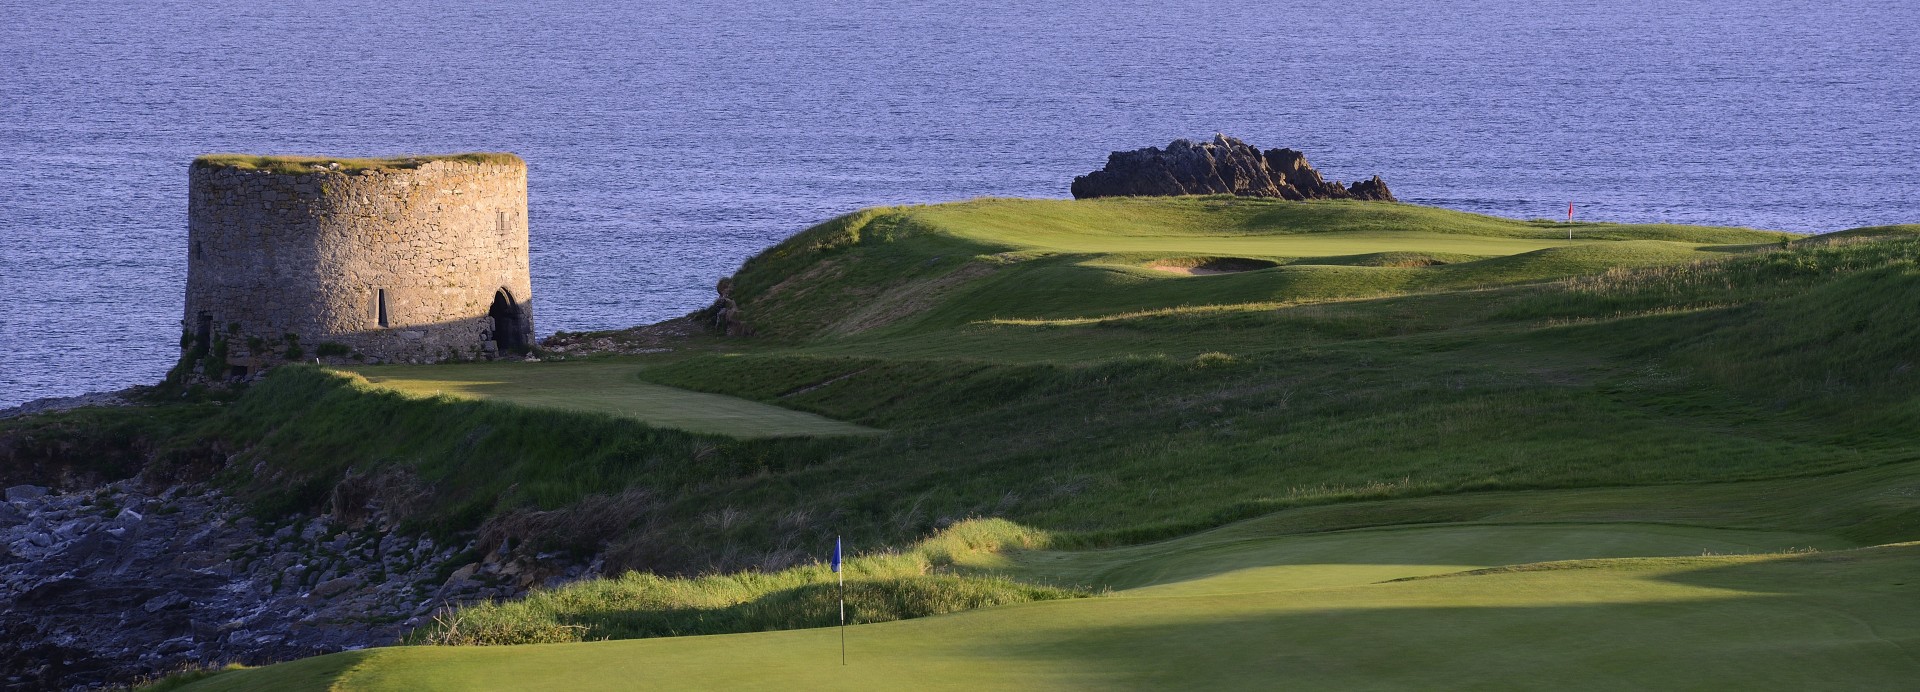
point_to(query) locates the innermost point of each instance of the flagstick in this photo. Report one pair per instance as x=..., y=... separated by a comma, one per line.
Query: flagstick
x=843, y=607
x=843, y=618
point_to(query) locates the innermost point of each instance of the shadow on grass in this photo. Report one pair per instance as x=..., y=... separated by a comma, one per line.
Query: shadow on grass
x=1381, y=553
x=1846, y=620
x=797, y=607
x=315, y=674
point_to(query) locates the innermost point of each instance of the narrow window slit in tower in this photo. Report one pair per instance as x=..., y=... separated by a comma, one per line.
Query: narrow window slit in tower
x=380, y=305
x=203, y=334
x=500, y=220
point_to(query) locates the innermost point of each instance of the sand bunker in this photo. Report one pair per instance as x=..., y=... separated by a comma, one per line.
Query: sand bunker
x=1201, y=266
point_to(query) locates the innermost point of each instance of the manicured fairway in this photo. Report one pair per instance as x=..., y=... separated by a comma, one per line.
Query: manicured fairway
x=1839, y=620
x=601, y=387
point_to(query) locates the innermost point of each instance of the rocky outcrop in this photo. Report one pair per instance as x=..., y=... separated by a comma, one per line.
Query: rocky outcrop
x=54, y=404
x=1223, y=166
x=659, y=337
x=724, y=315
x=115, y=583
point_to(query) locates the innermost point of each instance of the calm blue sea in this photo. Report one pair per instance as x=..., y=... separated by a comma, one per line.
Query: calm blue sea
x=670, y=140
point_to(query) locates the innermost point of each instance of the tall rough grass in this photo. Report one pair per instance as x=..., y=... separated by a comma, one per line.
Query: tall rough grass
x=1739, y=279
x=880, y=587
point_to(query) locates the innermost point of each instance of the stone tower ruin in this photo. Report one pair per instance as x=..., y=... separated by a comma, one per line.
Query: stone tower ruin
x=410, y=260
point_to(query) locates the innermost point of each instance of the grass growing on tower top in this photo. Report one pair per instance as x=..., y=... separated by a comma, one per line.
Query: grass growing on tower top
x=287, y=164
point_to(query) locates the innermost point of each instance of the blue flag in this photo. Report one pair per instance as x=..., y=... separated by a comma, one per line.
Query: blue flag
x=836, y=553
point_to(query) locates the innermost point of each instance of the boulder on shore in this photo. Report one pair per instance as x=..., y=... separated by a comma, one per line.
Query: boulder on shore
x=1222, y=166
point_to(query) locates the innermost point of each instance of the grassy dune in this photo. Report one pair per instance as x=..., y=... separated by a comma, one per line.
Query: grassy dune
x=1269, y=469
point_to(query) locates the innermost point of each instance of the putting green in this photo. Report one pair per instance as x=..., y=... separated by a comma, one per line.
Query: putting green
x=1275, y=229
x=603, y=387
x=1310, y=612
x=1228, y=561
x=1303, y=245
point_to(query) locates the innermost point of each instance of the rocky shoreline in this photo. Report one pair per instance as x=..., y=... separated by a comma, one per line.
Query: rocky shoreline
x=112, y=584
x=54, y=404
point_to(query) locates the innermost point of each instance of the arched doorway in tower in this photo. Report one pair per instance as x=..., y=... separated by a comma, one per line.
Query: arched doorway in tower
x=509, y=323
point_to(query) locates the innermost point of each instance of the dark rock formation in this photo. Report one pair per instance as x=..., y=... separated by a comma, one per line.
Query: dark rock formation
x=110, y=584
x=62, y=403
x=1222, y=166
x=659, y=337
x=724, y=315
x=1371, y=189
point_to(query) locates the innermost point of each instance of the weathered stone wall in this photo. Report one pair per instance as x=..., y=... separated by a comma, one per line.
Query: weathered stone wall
x=276, y=258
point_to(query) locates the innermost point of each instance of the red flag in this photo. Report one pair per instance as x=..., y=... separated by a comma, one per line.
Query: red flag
x=1569, y=212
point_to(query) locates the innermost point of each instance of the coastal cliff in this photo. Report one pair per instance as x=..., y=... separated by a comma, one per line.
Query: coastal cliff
x=1223, y=166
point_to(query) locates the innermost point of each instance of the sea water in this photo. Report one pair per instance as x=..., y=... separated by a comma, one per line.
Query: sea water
x=670, y=140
